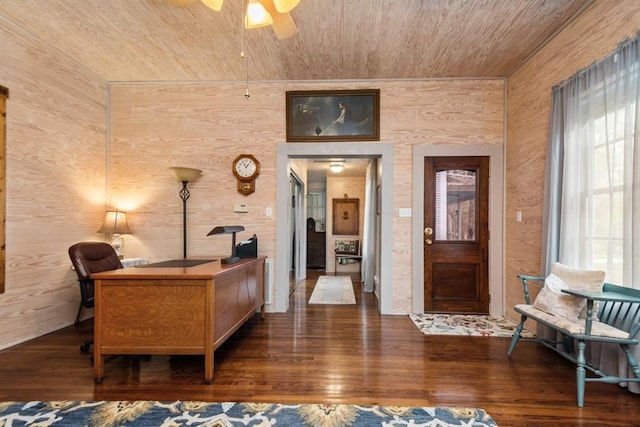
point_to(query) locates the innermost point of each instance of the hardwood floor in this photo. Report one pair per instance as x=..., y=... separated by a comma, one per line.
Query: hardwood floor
x=329, y=354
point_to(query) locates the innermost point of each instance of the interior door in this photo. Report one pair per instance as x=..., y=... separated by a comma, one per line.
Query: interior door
x=297, y=233
x=456, y=234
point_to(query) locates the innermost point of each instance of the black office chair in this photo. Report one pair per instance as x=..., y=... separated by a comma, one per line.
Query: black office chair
x=88, y=258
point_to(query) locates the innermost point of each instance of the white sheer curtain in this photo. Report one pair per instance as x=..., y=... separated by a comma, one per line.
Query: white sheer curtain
x=369, y=232
x=592, y=187
x=595, y=163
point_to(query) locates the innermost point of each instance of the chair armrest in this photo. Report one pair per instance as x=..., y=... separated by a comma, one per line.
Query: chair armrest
x=525, y=288
x=627, y=313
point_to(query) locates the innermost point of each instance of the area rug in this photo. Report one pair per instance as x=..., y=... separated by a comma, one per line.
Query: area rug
x=171, y=414
x=466, y=324
x=333, y=290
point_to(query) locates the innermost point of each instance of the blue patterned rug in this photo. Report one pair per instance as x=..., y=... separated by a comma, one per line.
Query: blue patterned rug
x=172, y=414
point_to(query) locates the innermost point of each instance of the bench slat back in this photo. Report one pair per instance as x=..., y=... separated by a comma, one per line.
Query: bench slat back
x=623, y=316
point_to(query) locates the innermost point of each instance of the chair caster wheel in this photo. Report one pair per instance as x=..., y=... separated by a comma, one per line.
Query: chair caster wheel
x=84, y=348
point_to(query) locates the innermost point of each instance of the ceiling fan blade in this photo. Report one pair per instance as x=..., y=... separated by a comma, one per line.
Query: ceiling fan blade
x=181, y=3
x=283, y=24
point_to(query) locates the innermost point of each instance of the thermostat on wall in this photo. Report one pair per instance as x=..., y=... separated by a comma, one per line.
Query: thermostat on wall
x=243, y=208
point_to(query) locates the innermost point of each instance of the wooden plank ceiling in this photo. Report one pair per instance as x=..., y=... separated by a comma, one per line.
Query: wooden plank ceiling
x=152, y=40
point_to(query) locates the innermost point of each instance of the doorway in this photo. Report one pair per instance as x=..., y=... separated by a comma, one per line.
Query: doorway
x=456, y=234
x=289, y=151
x=297, y=269
x=495, y=218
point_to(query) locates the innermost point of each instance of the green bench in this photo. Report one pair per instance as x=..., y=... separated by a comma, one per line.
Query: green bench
x=617, y=322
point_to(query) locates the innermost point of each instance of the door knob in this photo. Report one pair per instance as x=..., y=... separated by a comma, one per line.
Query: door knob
x=428, y=231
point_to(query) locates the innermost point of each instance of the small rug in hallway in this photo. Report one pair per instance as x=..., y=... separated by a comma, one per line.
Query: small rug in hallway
x=465, y=324
x=172, y=414
x=333, y=290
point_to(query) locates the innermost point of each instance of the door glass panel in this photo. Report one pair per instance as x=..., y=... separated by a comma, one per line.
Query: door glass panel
x=455, y=205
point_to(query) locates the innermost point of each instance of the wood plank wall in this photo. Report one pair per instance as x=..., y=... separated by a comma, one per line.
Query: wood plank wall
x=55, y=181
x=4, y=94
x=590, y=37
x=57, y=163
x=56, y=157
x=206, y=125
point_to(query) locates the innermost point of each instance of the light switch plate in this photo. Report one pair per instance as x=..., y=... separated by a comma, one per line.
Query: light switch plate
x=404, y=212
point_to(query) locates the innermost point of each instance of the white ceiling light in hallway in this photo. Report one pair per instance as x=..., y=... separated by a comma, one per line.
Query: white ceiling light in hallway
x=336, y=167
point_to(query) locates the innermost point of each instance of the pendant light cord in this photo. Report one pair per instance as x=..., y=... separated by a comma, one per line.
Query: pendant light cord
x=242, y=55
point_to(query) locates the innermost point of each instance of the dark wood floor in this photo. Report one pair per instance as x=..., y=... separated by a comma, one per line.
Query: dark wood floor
x=329, y=354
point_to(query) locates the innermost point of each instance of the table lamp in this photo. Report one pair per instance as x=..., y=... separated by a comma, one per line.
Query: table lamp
x=228, y=229
x=115, y=223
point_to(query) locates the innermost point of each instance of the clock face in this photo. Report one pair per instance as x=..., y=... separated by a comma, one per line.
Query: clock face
x=246, y=167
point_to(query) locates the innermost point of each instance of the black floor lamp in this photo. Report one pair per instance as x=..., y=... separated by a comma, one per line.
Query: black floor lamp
x=185, y=175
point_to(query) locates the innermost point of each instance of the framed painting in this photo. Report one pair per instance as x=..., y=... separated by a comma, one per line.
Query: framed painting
x=338, y=115
x=346, y=216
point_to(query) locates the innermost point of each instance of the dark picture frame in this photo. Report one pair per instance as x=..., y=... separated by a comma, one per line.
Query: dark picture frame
x=333, y=115
x=346, y=216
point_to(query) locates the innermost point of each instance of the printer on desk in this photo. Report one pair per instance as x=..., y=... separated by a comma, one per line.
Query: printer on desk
x=248, y=248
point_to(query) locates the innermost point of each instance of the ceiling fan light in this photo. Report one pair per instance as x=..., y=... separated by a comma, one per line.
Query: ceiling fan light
x=336, y=167
x=214, y=4
x=257, y=16
x=284, y=6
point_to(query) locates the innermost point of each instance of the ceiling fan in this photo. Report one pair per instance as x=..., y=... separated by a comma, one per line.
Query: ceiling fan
x=259, y=14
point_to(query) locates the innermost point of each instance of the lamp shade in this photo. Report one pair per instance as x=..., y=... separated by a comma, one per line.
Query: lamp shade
x=115, y=222
x=214, y=4
x=225, y=229
x=185, y=174
x=284, y=6
x=283, y=25
x=257, y=16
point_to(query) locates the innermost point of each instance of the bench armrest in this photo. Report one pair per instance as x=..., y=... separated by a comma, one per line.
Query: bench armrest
x=618, y=317
x=525, y=287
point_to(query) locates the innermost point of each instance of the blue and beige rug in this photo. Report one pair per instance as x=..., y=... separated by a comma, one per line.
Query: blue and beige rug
x=465, y=324
x=172, y=414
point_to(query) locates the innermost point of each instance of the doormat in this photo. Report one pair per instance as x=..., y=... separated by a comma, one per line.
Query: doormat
x=333, y=290
x=477, y=325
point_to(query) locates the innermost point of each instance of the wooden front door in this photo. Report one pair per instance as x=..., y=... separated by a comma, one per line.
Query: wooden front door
x=456, y=234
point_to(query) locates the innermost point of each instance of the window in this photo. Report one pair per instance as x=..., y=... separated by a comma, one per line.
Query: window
x=592, y=191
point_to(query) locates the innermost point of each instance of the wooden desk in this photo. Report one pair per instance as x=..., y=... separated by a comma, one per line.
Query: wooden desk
x=174, y=310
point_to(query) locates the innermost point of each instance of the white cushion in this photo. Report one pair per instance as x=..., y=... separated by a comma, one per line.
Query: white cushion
x=572, y=326
x=551, y=299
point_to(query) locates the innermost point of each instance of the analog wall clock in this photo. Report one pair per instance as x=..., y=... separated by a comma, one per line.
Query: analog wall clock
x=246, y=168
